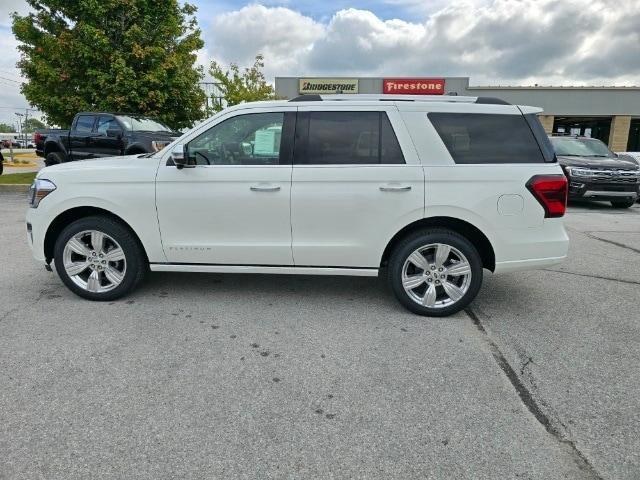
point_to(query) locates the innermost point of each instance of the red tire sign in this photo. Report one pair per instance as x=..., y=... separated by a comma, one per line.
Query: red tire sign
x=413, y=86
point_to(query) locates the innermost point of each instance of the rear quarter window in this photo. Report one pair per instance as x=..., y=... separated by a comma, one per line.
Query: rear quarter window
x=473, y=138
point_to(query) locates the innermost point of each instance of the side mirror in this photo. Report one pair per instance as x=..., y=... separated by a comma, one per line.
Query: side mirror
x=114, y=133
x=179, y=157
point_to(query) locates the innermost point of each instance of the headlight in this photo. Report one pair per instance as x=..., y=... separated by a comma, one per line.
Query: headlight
x=158, y=145
x=40, y=188
x=579, y=172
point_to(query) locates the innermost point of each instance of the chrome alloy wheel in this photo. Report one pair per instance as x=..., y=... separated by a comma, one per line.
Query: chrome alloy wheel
x=94, y=261
x=436, y=275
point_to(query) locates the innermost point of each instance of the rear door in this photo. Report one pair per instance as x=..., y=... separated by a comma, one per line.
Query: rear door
x=80, y=137
x=356, y=181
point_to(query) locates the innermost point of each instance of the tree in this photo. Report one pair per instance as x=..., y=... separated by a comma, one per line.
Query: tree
x=6, y=128
x=112, y=55
x=237, y=87
x=30, y=125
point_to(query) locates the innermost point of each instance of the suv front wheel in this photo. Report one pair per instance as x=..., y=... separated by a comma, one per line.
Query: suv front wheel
x=435, y=272
x=98, y=258
x=623, y=203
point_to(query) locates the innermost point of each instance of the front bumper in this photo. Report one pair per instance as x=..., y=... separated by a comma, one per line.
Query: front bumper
x=579, y=188
x=35, y=230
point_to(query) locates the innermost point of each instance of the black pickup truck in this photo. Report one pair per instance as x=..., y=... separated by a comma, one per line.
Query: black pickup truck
x=595, y=172
x=102, y=134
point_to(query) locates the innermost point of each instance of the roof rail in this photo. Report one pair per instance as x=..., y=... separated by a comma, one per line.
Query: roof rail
x=491, y=101
x=363, y=97
x=371, y=97
x=307, y=98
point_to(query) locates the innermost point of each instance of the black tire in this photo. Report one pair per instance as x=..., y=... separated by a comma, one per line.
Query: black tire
x=136, y=261
x=53, y=158
x=622, y=203
x=420, y=239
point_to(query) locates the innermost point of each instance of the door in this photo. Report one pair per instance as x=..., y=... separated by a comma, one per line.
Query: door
x=101, y=144
x=80, y=137
x=356, y=182
x=233, y=206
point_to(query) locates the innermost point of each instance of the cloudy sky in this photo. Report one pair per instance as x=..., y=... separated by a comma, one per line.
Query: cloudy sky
x=495, y=42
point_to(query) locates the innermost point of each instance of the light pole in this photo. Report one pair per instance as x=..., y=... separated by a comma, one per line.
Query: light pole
x=19, y=115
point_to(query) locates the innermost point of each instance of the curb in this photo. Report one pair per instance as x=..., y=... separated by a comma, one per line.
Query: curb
x=14, y=187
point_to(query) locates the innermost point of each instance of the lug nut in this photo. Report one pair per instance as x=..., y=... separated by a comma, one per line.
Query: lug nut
x=437, y=282
x=433, y=267
x=440, y=269
x=430, y=280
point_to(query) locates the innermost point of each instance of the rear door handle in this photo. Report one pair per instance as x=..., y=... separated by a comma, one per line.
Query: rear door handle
x=264, y=188
x=394, y=188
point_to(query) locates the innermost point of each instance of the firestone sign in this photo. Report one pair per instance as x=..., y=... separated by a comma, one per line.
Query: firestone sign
x=328, y=85
x=413, y=86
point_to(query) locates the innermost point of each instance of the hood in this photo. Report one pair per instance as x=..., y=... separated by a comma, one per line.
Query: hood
x=93, y=163
x=130, y=168
x=620, y=163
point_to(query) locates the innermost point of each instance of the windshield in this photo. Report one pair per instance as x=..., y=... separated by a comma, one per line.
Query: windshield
x=580, y=147
x=142, y=124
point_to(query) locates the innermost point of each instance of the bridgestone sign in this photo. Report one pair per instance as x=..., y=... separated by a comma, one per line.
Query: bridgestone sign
x=328, y=85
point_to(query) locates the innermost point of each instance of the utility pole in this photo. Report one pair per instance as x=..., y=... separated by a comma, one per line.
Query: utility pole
x=26, y=117
x=19, y=115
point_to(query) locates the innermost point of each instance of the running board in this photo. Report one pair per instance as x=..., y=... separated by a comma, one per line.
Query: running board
x=278, y=270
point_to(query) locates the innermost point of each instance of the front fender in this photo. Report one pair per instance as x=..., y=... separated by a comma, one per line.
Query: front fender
x=133, y=210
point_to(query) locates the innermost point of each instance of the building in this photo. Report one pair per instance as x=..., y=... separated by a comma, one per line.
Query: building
x=611, y=114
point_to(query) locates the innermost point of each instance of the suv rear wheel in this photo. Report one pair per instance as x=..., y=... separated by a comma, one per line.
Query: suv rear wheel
x=435, y=272
x=99, y=259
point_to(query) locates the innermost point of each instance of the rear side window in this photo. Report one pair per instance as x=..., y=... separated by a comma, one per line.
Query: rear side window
x=346, y=138
x=487, y=138
x=542, y=138
x=85, y=123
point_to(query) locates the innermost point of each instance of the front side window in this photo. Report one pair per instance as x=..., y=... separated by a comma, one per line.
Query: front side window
x=85, y=123
x=345, y=138
x=473, y=138
x=251, y=139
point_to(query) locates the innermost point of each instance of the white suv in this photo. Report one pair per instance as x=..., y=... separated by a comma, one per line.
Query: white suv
x=429, y=190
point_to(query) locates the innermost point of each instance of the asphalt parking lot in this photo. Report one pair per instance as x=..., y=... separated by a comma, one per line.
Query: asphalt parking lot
x=212, y=376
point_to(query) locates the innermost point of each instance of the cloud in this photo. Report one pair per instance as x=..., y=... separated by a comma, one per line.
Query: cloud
x=493, y=42
x=280, y=34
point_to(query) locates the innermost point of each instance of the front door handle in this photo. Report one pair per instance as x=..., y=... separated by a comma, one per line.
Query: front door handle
x=394, y=188
x=264, y=188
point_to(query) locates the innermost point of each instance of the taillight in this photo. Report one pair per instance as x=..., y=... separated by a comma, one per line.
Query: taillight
x=551, y=192
x=36, y=137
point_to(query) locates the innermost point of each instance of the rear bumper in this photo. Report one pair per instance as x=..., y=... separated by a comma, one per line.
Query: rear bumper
x=532, y=248
x=529, y=264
